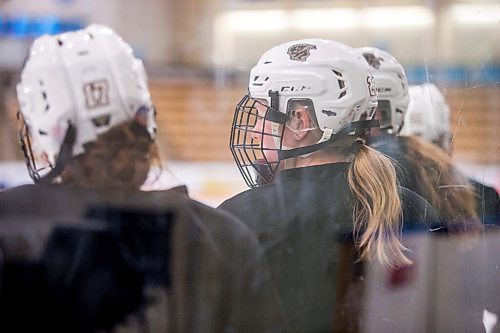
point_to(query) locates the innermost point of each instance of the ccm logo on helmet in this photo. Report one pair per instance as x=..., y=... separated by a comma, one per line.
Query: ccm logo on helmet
x=96, y=94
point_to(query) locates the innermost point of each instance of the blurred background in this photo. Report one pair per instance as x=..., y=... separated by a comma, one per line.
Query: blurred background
x=198, y=55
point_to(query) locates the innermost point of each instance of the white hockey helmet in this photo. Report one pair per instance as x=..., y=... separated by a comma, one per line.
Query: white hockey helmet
x=331, y=77
x=87, y=80
x=428, y=115
x=392, y=87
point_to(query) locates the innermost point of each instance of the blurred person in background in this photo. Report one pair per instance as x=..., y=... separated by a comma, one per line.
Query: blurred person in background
x=83, y=249
x=298, y=138
x=429, y=171
x=424, y=168
x=428, y=117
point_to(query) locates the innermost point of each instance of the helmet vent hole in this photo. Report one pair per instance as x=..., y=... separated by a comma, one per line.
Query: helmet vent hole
x=101, y=121
x=47, y=107
x=341, y=83
x=60, y=42
x=42, y=132
x=329, y=113
x=83, y=53
x=258, y=81
x=91, y=36
x=44, y=95
x=267, y=62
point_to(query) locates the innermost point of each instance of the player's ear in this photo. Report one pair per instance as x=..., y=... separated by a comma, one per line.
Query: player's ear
x=300, y=119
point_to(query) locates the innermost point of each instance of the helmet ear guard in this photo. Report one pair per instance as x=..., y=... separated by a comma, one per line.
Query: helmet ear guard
x=64, y=156
x=37, y=172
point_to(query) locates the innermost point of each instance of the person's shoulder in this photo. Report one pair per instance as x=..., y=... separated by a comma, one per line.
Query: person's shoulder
x=35, y=195
x=25, y=188
x=248, y=198
x=203, y=217
x=168, y=197
x=218, y=219
x=418, y=213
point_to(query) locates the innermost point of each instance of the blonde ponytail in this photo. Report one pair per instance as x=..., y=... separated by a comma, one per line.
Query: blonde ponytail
x=378, y=210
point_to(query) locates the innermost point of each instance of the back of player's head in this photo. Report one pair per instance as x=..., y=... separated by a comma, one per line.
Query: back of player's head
x=392, y=87
x=428, y=115
x=74, y=87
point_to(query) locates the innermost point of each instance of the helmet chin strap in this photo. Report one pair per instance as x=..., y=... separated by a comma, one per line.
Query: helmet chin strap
x=326, y=135
x=64, y=156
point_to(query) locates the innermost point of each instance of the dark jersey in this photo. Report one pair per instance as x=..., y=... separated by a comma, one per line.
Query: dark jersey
x=80, y=260
x=396, y=147
x=304, y=224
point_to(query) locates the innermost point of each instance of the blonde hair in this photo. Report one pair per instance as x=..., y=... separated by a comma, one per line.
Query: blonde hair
x=378, y=210
x=120, y=158
x=446, y=188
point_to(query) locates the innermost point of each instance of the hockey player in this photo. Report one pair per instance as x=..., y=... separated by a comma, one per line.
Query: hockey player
x=428, y=117
x=424, y=168
x=83, y=249
x=298, y=138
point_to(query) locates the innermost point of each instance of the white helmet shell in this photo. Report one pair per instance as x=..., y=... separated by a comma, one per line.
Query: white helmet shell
x=392, y=87
x=428, y=115
x=89, y=78
x=332, y=75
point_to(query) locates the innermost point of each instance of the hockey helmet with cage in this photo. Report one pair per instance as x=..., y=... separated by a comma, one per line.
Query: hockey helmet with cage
x=74, y=87
x=329, y=77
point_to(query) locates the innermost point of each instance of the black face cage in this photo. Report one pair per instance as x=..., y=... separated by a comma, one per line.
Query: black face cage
x=35, y=172
x=258, y=164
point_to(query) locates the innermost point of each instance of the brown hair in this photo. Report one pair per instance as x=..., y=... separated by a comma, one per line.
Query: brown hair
x=446, y=188
x=120, y=158
x=378, y=209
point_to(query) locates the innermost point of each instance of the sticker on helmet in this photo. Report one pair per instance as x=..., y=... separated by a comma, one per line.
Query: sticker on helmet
x=96, y=94
x=300, y=52
x=372, y=60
